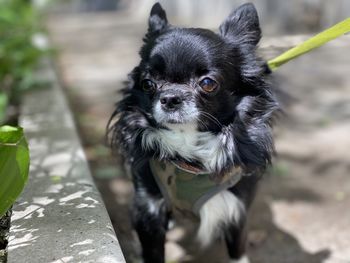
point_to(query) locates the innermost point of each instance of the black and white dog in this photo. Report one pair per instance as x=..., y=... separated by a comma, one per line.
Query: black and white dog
x=201, y=103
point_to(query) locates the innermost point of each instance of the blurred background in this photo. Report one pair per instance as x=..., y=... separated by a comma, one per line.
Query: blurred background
x=302, y=211
x=277, y=17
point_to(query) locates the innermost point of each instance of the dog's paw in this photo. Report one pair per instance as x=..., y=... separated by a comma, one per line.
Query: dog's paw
x=243, y=259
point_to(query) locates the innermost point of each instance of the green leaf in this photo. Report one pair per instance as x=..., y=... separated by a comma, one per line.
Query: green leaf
x=14, y=165
x=3, y=105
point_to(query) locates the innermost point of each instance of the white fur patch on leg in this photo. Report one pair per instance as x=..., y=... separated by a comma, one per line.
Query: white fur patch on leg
x=222, y=209
x=243, y=259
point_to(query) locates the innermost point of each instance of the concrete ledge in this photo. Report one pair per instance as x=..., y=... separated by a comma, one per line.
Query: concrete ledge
x=60, y=216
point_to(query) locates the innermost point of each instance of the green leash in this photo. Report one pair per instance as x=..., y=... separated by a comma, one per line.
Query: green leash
x=314, y=42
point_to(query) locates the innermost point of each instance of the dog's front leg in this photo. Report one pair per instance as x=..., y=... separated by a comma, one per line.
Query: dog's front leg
x=150, y=221
x=236, y=242
x=236, y=232
x=150, y=218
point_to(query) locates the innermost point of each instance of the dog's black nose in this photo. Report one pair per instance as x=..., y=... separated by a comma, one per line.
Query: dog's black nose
x=170, y=101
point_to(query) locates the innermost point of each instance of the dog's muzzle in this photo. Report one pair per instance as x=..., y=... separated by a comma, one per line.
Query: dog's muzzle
x=175, y=104
x=171, y=101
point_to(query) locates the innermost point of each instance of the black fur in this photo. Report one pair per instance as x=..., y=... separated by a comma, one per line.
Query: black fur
x=241, y=110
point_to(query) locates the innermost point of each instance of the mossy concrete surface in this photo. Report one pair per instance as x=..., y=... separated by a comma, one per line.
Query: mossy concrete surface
x=60, y=216
x=4, y=235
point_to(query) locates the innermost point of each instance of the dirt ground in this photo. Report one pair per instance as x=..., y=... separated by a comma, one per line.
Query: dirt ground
x=302, y=211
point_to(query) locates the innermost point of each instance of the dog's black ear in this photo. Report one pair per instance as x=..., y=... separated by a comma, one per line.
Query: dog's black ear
x=242, y=26
x=157, y=21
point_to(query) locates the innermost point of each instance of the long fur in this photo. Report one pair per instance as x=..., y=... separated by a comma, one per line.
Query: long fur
x=216, y=131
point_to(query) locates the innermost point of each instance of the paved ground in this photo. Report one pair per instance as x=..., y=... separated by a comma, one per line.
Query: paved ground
x=302, y=212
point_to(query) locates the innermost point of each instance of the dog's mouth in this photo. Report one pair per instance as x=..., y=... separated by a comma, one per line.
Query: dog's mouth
x=188, y=113
x=174, y=121
x=172, y=118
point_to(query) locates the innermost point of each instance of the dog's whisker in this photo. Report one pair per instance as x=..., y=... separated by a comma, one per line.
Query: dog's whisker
x=203, y=123
x=211, y=117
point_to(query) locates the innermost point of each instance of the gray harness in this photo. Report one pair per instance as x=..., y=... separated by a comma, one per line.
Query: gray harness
x=187, y=190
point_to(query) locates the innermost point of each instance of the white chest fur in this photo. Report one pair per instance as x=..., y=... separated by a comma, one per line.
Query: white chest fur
x=184, y=140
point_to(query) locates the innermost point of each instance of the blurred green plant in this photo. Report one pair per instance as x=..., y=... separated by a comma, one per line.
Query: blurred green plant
x=21, y=47
x=3, y=105
x=14, y=165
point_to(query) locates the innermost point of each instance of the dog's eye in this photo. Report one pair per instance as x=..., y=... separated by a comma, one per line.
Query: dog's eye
x=148, y=85
x=208, y=84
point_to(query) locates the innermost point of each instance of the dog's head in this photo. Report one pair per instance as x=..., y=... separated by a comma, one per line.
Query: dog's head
x=191, y=75
x=212, y=81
